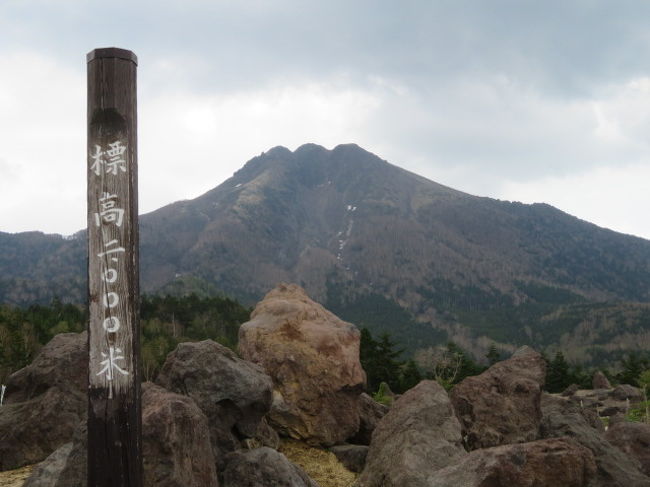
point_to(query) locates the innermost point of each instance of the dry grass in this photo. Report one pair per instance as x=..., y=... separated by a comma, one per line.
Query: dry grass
x=320, y=465
x=15, y=478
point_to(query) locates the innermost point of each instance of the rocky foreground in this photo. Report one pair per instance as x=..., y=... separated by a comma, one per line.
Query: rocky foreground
x=215, y=418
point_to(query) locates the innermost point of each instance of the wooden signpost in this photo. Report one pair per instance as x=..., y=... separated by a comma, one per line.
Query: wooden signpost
x=114, y=417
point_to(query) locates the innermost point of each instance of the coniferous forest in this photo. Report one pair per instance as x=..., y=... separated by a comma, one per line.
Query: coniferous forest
x=168, y=320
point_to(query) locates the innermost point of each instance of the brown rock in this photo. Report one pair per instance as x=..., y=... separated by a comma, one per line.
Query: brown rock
x=419, y=435
x=176, y=447
x=564, y=418
x=545, y=463
x=370, y=413
x=44, y=402
x=600, y=381
x=353, y=457
x=571, y=390
x=263, y=467
x=625, y=392
x=634, y=440
x=313, y=359
x=176, y=441
x=502, y=405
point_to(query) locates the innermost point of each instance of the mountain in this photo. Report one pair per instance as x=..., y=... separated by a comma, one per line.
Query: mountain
x=379, y=245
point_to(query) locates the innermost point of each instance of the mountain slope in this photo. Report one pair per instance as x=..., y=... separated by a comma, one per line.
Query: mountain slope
x=353, y=229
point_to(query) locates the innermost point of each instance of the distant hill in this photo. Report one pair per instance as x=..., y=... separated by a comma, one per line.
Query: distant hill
x=382, y=247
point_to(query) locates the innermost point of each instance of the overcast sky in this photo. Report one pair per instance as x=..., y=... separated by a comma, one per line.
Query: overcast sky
x=519, y=100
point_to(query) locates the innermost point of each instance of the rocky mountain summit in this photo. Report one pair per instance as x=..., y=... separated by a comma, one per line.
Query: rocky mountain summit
x=214, y=419
x=379, y=245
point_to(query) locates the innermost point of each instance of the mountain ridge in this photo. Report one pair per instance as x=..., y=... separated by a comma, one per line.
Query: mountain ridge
x=347, y=226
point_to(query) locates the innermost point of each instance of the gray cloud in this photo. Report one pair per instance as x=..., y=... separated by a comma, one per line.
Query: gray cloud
x=567, y=48
x=478, y=95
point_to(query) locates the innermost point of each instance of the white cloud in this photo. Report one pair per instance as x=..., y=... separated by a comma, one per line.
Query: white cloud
x=43, y=130
x=190, y=143
x=492, y=135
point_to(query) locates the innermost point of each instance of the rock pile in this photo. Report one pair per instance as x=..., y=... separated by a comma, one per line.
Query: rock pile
x=516, y=435
x=212, y=418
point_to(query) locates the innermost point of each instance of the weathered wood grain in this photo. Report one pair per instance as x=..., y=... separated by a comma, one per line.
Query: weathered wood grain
x=114, y=417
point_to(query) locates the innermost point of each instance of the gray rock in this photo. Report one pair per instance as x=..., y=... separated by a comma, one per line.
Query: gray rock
x=176, y=448
x=75, y=470
x=546, y=463
x=47, y=473
x=600, y=381
x=571, y=390
x=266, y=435
x=563, y=418
x=625, y=392
x=502, y=405
x=370, y=413
x=610, y=411
x=67, y=466
x=44, y=402
x=419, y=435
x=353, y=457
x=234, y=394
x=263, y=467
x=634, y=440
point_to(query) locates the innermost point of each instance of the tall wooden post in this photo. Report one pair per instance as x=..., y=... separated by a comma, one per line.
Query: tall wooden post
x=114, y=417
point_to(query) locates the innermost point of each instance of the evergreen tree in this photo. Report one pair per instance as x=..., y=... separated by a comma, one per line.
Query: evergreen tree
x=380, y=361
x=578, y=375
x=410, y=376
x=388, y=363
x=557, y=374
x=632, y=367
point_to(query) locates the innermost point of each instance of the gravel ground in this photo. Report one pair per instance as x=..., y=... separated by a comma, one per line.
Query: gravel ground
x=15, y=478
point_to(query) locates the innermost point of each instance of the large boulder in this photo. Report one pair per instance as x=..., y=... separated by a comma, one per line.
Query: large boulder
x=263, y=467
x=313, y=359
x=626, y=392
x=600, y=381
x=419, y=435
x=175, y=447
x=370, y=413
x=565, y=418
x=544, y=463
x=44, y=402
x=502, y=405
x=234, y=394
x=634, y=440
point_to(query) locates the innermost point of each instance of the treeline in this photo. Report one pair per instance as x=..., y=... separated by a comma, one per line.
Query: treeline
x=169, y=320
x=165, y=322
x=560, y=374
x=24, y=331
x=449, y=365
x=380, y=358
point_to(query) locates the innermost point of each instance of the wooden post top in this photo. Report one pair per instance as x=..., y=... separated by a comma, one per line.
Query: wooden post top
x=112, y=52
